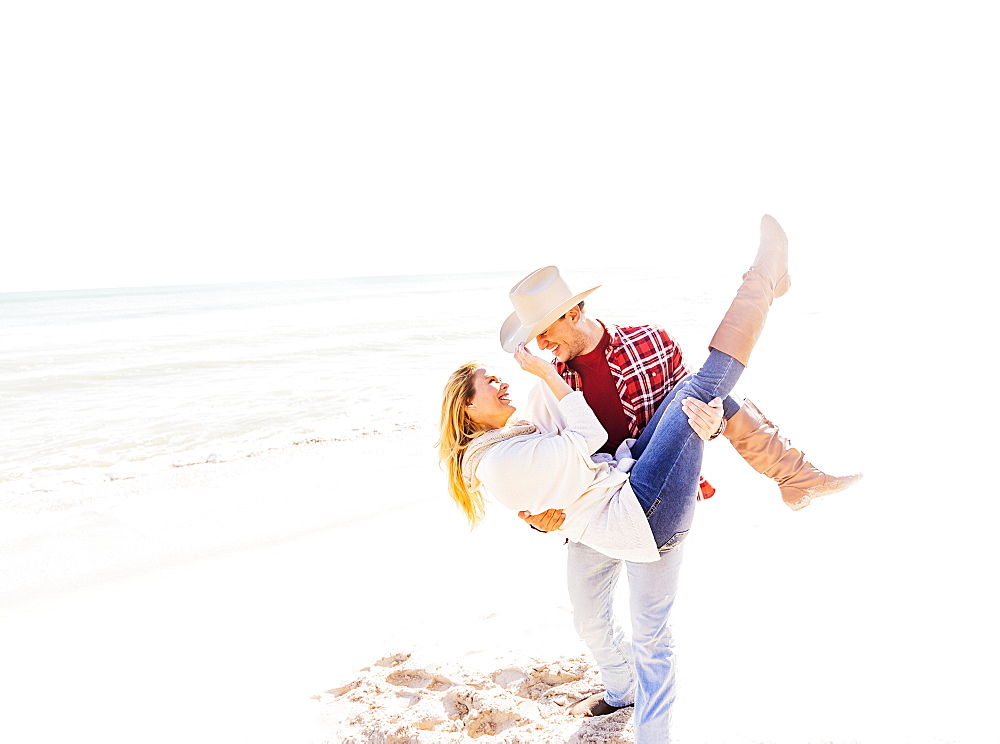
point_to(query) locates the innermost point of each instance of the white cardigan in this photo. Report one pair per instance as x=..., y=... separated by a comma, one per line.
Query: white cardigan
x=552, y=469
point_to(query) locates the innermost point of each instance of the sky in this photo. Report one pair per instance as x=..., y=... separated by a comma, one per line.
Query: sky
x=211, y=141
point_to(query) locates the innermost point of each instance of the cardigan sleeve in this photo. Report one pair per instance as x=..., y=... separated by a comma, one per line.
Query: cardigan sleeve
x=582, y=424
x=545, y=470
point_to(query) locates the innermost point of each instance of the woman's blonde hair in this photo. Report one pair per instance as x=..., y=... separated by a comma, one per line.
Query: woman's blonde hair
x=457, y=430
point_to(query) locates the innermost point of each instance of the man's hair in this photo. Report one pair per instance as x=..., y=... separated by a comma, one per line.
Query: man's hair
x=579, y=305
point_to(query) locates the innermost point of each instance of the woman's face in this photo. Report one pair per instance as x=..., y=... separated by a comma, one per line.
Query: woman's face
x=489, y=404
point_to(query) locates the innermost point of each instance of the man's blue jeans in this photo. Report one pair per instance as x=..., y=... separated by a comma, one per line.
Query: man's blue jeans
x=665, y=479
x=643, y=671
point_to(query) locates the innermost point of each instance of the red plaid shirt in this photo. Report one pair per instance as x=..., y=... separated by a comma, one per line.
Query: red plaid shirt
x=646, y=364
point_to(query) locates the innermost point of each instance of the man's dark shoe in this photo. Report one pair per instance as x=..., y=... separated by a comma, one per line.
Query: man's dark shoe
x=595, y=705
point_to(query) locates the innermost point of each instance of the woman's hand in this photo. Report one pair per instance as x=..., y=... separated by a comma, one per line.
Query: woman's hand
x=533, y=364
x=542, y=370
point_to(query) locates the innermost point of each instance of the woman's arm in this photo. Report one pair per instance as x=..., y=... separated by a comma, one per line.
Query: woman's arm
x=550, y=470
x=537, y=472
x=577, y=416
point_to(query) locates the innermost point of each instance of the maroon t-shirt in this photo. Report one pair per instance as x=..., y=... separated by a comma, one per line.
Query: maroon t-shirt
x=601, y=394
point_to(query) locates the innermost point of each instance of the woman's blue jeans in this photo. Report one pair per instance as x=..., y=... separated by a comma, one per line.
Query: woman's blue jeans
x=669, y=452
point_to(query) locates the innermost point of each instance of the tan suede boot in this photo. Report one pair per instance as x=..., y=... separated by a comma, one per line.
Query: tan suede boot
x=767, y=278
x=759, y=443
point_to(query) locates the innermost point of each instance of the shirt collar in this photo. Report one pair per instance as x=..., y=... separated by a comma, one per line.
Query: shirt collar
x=613, y=332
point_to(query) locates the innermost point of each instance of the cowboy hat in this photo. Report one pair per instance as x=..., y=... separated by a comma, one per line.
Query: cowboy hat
x=539, y=300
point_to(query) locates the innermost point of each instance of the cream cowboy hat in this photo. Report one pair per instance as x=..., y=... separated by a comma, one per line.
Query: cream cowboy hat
x=539, y=300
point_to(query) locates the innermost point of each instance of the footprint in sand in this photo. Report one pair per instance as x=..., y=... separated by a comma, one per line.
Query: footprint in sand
x=418, y=679
x=393, y=660
x=397, y=699
x=492, y=722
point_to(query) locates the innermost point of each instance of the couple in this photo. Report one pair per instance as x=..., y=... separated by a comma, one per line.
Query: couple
x=636, y=508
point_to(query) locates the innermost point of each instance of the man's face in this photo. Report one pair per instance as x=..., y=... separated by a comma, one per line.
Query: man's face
x=564, y=339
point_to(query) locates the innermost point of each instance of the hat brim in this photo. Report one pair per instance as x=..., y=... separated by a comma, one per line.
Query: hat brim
x=513, y=334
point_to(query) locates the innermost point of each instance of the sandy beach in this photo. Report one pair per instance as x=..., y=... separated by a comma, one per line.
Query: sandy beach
x=254, y=609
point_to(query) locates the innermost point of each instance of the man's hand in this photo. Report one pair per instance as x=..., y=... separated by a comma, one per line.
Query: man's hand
x=547, y=521
x=705, y=418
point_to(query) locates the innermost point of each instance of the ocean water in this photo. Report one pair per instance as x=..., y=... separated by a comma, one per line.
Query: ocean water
x=152, y=426
x=108, y=384
x=100, y=385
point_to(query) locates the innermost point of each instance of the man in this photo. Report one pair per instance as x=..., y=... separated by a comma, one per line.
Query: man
x=624, y=374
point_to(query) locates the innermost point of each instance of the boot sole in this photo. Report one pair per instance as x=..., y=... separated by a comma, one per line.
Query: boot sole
x=832, y=486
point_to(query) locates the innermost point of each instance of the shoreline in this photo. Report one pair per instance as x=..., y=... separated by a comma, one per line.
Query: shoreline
x=186, y=513
x=29, y=496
